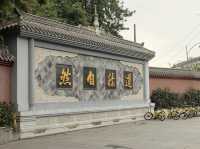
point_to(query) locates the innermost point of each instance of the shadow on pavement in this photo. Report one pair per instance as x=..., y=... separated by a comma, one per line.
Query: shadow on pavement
x=112, y=146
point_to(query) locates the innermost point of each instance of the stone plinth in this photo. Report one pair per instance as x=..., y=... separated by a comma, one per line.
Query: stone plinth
x=7, y=135
x=39, y=123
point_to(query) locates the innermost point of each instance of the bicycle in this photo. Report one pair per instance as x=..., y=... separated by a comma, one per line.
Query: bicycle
x=156, y=115
x=188, y=112
x=183, y=114
x=173, y=114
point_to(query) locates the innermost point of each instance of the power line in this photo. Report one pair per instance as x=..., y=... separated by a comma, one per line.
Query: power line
x=188, y=35
x=197, y=35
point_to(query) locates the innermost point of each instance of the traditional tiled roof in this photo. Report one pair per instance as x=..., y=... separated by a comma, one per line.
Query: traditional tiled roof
x=156, y=72
x=41, y=28
x=5, y=57
x=184, y=63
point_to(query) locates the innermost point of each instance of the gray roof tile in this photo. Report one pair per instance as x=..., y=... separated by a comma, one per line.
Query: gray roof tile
x=173, y=73
x=57, y=32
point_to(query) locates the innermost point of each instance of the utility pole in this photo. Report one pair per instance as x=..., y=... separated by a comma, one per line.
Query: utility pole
x=188, y=50
x=187, y=55
x=134, y=32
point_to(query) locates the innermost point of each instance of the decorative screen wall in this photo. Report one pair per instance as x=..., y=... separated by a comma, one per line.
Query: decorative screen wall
x=62, y=76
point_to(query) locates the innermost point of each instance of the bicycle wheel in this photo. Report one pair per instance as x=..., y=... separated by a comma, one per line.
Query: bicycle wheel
x=161, y=117
x=148, y=116
x=176, y=116
x=183, y=115
x=190, y=115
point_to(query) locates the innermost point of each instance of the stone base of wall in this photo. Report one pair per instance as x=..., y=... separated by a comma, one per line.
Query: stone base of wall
x=8, y=135
x=44, y=124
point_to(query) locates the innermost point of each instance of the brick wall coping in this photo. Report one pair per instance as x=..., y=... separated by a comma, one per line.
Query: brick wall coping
x=157, y=72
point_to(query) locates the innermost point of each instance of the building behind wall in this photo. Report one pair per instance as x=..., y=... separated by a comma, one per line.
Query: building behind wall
x=67, y=78
x=191, y=64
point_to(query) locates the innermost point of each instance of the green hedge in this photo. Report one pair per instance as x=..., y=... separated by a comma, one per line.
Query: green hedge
x=5, y=115
x=164, y=98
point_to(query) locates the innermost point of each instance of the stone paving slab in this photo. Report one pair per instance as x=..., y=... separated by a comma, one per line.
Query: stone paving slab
x=170, y=134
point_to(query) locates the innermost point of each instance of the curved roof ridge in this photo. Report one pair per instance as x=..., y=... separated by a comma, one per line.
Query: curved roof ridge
x=50, y=30
x=80, y=29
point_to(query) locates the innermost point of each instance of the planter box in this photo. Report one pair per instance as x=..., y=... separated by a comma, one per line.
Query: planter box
x=7, y=135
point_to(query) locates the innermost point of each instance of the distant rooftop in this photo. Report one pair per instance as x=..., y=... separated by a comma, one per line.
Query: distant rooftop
x=190, y=61
x=158, y=72
x=41, y=28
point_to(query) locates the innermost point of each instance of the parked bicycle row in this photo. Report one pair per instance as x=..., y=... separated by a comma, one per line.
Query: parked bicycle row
x=173, y=113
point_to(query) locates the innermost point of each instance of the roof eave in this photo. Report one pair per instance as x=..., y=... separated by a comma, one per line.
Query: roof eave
x=125, y=52
x=111, y=45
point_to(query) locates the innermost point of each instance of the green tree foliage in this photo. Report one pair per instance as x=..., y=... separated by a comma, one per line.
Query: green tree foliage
x=5, y=115
x=72, y=12
x=6, y=10
x=196, y=67
x=111, y=13
x=45, y=8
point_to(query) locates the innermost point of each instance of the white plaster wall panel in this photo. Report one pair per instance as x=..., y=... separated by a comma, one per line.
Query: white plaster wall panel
x=39, y=95
x=22, y=75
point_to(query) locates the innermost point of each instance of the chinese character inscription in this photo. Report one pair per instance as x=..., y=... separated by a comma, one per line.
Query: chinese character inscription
x=89, y=78
x=128, y=80
x=110, y=79
x=64, y=77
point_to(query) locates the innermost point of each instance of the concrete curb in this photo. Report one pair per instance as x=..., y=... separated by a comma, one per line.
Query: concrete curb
x=8, y=135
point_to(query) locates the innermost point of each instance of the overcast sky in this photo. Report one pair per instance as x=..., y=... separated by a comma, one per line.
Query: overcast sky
x=166, y=27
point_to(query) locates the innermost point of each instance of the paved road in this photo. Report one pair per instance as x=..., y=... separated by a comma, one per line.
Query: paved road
x=182, y=134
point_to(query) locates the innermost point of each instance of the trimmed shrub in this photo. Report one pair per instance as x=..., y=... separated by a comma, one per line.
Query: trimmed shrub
x=191, y=97
x=5, y=115
x=163, y=98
